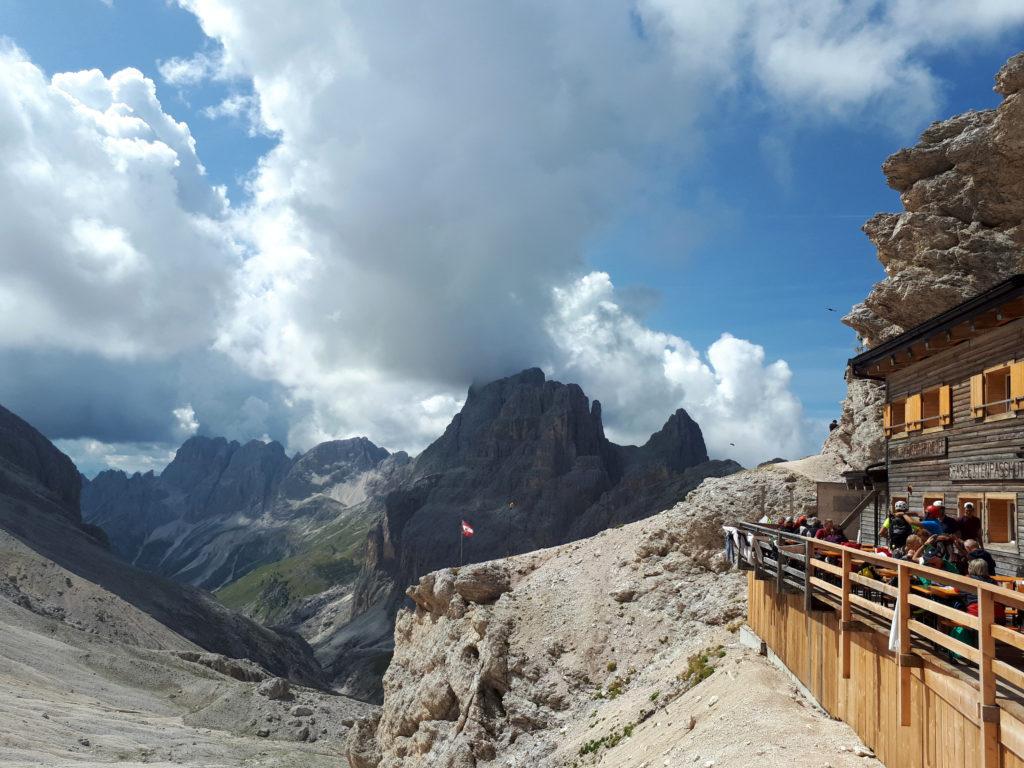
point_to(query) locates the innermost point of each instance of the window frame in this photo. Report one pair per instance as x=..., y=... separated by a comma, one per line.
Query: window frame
x=902, y=431
x=1012, y=403
x=1001, y=546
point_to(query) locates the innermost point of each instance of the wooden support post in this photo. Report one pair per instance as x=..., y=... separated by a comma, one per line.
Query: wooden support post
x=988, y=712
x=780, y=559
x=905, y=664
x=808, y=572
x=845, y=614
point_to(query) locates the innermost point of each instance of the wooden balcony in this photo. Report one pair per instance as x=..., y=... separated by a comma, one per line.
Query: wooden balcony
x=935, y=700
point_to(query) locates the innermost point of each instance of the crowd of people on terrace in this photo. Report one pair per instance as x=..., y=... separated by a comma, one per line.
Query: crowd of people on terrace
x=935, y=539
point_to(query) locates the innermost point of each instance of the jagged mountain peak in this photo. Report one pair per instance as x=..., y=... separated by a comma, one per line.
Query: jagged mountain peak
x=678, y=445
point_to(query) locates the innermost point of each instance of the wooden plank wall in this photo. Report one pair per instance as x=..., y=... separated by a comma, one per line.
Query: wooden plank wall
x=968, y=439
x=944, y=722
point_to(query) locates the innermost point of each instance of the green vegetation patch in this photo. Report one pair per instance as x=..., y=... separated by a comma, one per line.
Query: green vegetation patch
x=334, y=557
x=607, y=741
x=700, y=666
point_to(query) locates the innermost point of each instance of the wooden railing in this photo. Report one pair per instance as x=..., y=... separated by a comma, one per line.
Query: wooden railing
x=826, y=575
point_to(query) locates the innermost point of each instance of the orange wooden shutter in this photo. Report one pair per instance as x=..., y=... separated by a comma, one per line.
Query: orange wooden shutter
x=913, y=413
x=887, y=419
x=1017, y=386
x=945, y=405
x=978, y=395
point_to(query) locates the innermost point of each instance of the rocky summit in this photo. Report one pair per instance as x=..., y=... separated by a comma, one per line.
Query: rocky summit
x=526, y=463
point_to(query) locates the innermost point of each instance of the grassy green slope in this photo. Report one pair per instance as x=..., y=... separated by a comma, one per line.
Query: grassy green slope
x=333, y=557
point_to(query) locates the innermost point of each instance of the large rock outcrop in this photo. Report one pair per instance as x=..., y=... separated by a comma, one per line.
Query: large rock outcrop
x=527, y=463
x=528, y=660
x=962, y=188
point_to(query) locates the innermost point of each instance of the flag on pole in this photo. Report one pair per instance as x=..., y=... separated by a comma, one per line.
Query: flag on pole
x=467, y=529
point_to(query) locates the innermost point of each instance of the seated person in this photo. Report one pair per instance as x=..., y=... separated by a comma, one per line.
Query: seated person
x=911, y=549
x=978, y=569
x=931, y=555
x=974, y=551
x=812, y=527
x=829, y=532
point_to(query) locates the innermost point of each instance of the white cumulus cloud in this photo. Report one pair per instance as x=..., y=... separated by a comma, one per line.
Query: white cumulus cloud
x=440, y=172
x=743, y=404
x=112, y=235
x=842, y=59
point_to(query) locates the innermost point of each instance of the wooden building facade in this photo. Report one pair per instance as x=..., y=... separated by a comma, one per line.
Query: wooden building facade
x=954, y=415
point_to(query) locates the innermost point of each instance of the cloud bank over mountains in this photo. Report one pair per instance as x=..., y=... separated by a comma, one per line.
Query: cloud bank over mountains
x=422, y=221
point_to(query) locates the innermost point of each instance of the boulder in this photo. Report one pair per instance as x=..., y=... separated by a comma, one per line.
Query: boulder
x=483, y=583
x=275, y=688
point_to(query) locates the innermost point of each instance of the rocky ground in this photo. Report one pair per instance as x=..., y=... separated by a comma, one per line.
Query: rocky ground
x=88, y=679
x=595, y=652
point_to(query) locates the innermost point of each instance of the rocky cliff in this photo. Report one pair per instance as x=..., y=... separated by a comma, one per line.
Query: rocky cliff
x=33, y=470
x=962, y=188
x=40, y=523
x=527, y=464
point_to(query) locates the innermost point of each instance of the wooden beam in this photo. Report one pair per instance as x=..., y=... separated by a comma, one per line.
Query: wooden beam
x=986, y=321
x=903, y=628
x=988, y=712
x=808, y=568
x=846, y=614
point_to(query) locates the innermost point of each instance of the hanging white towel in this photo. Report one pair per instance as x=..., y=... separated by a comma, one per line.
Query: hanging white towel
x=894, y=630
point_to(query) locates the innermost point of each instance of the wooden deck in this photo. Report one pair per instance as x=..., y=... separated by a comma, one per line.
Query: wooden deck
x=831, y=629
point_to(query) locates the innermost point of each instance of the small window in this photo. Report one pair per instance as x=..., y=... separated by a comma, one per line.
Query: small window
x=930, y=408
x=896, y=417
x=997, y=391
x=999, y=523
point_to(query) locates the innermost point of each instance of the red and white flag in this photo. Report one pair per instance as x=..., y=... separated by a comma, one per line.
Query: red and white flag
x=467, y=529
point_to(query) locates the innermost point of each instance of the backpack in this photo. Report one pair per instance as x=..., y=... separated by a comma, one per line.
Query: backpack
x=899, y=528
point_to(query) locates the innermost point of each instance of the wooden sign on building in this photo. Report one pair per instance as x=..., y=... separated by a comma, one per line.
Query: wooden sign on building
x=968, y=471
x=932, y=448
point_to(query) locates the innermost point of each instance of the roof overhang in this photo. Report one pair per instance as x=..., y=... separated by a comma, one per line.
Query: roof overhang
x=997, y=306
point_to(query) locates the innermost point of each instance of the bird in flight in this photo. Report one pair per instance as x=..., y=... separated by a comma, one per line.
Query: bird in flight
x=830, y=309
x=733, y=444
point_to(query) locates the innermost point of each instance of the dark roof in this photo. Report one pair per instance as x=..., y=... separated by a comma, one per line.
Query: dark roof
x=972, y=309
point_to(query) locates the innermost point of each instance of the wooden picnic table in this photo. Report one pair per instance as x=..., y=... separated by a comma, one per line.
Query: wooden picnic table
x=1012, y=580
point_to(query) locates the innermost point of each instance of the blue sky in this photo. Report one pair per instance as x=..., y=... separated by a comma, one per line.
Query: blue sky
x=747, y=223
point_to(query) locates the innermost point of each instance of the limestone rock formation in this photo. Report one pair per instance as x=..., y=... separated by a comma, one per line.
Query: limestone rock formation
x=962, y=188
x=527, y=463
x=516, y=672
